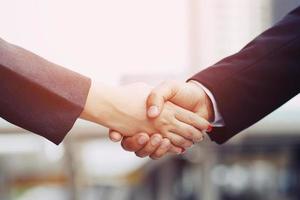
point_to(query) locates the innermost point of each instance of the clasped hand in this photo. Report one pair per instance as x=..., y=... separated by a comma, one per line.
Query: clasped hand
x=151, y=122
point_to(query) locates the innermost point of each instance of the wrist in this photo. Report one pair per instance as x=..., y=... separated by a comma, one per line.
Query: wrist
x=98, y=107
x=204, y=103
x=114, y=108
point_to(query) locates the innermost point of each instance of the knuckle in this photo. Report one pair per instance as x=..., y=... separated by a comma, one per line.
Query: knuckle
x=163, y=124
x=165, y=134
x=172, y=123
x=168, y=128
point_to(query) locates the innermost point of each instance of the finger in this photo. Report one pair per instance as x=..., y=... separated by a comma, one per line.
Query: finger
x=175, y=149
x=178, y=140
x=162, y=149
x=192, y=119
x=151, y=146
x=187, y=131
x=115, y=136
x=136, y=142
x=158, y=96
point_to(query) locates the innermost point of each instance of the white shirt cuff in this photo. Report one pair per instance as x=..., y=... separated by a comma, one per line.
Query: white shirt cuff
x=218, y=120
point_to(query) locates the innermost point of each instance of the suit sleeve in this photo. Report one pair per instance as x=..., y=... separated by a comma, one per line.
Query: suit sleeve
x=37, y=95
x=252, y=83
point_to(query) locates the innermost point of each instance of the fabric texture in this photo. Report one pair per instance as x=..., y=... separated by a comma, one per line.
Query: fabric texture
x=37, y=95
x=252, y=83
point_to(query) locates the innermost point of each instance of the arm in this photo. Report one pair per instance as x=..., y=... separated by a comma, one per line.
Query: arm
x=248, y=85
x=189, y=96
x=37, y=95
x=47, y=99
x=121, y=111
x=257, y=80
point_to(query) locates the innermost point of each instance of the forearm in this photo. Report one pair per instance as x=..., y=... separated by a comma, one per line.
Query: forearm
x=123, y=109
x=38, y=95
x=257, y=80
x=99, y=107
x=116, y=108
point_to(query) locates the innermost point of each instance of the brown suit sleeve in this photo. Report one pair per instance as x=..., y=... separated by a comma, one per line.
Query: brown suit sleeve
x=37, y=95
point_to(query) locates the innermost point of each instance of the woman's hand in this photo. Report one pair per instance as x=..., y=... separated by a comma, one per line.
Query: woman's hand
x=121, y=108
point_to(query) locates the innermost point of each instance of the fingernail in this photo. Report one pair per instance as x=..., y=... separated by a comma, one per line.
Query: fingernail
x=153, y=111
x=209, y=129
x=142, y=139
x=155, y=140
x=115, y=137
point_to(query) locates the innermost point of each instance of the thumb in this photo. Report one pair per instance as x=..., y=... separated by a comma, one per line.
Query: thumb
x=115, y=136
x=159, y=95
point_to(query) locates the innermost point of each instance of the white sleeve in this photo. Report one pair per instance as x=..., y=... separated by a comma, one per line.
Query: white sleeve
x=218, y=120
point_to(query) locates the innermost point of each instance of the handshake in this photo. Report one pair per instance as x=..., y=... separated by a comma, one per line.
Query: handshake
x=151, y=121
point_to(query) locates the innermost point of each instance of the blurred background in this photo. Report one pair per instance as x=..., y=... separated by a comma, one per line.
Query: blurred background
x=119, y=42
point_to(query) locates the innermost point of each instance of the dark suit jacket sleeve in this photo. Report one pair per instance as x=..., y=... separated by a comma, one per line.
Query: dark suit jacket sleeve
x=38, y=95
x=254, y=82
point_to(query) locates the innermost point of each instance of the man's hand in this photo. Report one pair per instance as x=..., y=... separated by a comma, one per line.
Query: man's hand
x=189, y=95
